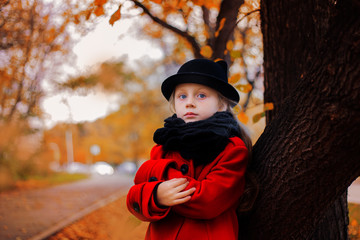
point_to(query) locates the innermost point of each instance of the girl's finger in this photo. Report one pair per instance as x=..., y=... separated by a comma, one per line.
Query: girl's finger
x=181, y=187
x=185, y=193
x=182, y=200
x=177, y=182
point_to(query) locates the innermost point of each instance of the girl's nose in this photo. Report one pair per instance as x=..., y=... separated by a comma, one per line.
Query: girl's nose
x=190, y=102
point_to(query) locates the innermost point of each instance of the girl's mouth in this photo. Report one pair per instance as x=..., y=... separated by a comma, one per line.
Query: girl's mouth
x=190, y=114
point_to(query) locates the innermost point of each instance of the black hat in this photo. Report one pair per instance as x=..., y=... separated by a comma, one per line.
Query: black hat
x=205, y=72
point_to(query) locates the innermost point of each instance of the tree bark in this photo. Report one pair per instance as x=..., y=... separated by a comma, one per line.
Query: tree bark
x=309, y=152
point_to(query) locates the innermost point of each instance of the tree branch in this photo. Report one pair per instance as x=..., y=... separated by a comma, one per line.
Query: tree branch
x=195, y=46
x=209, y=26
x=228, y=10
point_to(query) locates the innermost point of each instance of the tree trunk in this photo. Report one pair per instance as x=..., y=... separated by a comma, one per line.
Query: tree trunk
x=309, y=152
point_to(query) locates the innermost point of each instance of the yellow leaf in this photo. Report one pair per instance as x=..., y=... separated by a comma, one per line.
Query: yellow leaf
x=245, y=88
x=206, y=51
x=235, y=54
x=258, y=116
x=237, y=109
x=221, y=26
x=234, y=78
x=268, y=106
x=243, y=118
x=115, y=17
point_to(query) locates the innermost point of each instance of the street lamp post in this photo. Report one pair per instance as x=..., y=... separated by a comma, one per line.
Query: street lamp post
x=56, y=150
x=94, y=150
x=69, y=147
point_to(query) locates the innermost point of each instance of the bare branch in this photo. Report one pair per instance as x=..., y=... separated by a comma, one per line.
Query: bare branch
x=247, y=14
x=163, y=23
x=208, y=26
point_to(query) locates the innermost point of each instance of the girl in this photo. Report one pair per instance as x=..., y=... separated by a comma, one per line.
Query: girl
x=191, y=186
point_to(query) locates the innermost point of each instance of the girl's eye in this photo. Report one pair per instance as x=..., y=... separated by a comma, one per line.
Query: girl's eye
x=182, y=96
x=201, y=95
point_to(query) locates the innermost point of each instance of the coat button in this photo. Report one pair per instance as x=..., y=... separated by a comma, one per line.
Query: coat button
x=136, y=207
x=153, y=179
x=184, y=168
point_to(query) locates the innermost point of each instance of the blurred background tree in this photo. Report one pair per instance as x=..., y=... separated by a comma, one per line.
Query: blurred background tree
x=35, y=39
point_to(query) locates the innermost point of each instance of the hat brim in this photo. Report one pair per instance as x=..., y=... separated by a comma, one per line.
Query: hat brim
x=226, y=89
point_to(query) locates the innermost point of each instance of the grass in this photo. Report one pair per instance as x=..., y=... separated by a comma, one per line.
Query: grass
x=59, y=178
x=39, y=181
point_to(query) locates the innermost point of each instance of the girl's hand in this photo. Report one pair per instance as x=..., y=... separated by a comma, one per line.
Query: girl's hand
x=170, y=193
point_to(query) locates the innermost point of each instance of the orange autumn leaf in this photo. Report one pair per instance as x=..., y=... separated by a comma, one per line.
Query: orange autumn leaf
x=99, y=11
x=157, y=1
x=212, y=4
x=206, y=51
x=198, y=2
x=115, y=17
x=100, y=2
x=229, y=45
x=354, y=223
x=181, y=4
x=234, y=78
x=221, y=26
x=243, y=117
x=268, y=106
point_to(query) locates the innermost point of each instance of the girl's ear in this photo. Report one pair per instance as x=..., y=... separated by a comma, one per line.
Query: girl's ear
x=222, y=105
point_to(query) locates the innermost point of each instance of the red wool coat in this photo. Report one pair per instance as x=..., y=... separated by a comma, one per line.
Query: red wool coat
x=211, y=211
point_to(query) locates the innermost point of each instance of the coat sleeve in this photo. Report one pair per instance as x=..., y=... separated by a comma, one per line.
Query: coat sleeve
x=154, y=169
x=140, y=202
x=141, y=197
x=219, y=190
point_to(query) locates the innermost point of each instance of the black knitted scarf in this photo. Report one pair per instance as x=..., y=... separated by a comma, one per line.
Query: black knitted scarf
x=201, y=141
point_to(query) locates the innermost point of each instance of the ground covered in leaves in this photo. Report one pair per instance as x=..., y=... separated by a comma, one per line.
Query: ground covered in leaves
x=112, y=222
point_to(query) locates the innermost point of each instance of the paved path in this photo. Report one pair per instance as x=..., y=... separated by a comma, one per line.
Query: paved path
x=27, y=214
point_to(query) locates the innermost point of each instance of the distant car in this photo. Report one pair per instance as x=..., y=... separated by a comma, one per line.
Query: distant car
x=76, y=167
x=102, y=168
x=127, y=168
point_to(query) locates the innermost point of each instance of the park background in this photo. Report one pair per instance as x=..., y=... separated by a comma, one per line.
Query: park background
x=80, y=79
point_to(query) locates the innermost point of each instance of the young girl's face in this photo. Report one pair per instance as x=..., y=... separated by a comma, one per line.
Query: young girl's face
x=194, y=102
